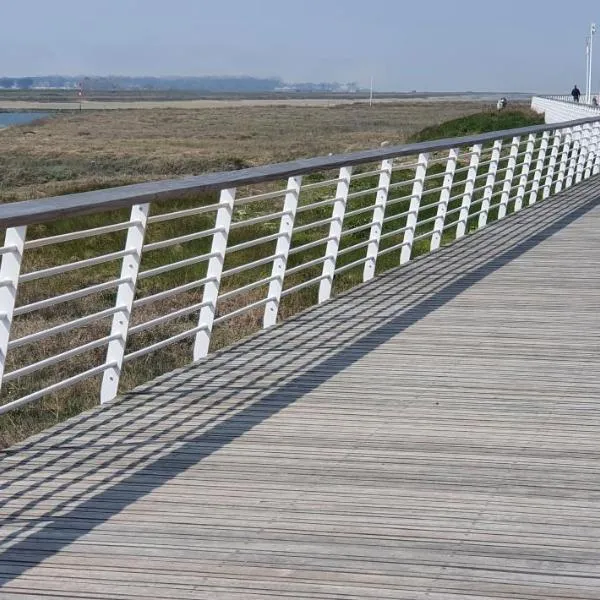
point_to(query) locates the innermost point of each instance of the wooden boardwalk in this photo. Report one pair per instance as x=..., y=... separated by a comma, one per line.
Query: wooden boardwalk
x=432, y=435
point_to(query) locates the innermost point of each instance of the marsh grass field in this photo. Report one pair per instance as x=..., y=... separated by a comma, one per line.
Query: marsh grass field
x=73, y=152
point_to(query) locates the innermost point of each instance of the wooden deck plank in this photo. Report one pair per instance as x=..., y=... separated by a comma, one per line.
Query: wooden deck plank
x=434, y=434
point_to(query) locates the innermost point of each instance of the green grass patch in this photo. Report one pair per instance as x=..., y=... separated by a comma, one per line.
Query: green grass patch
x=483, y=122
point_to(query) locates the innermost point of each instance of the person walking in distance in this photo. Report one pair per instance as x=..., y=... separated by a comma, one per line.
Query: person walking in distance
x=575, y=93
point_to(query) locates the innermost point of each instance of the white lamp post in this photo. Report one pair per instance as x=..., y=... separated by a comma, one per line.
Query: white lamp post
x=587, y=66
x=590, y=52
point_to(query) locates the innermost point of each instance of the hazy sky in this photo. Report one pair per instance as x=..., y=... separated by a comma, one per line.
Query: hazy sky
x=496, y=45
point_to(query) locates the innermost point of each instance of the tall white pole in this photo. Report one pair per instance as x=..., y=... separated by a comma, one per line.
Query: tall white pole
x=592, y=32
x=371, y=94
x=587, y=68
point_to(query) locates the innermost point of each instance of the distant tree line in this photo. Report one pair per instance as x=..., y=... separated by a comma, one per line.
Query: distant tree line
x=196, y=84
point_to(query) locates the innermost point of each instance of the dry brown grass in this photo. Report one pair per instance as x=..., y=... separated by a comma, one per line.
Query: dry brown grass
x=80, y=151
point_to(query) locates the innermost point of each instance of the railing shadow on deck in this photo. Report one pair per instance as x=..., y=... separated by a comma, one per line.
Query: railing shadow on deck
x=433, y=280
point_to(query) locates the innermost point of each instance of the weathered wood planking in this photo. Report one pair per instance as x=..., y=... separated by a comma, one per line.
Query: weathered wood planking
x=434, y=434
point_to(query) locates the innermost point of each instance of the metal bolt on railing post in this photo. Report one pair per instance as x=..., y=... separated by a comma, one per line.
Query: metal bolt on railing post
x=286, y=228
x=508, y=177
x=546, y=190
x=564, y=159
x=489, y=184
x=525, y=172
x=214, y=270
x=438, y=225
x=463, y=217
x=385, y=178
x=10, y=269
x=335, y=233
x=539, y=167
x=413, y=209
x=130, y=267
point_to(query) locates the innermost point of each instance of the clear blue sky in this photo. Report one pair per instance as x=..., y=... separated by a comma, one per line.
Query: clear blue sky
x=496, y=45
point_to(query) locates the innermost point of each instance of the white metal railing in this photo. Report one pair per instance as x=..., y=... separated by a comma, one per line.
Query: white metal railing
x=94, y=281
x=558, y=109
x=571, y=100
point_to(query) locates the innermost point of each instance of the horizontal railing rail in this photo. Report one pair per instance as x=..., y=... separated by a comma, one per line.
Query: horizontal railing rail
x=104, y=289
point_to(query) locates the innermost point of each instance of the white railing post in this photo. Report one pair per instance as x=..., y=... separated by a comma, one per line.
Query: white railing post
x=10, y=269
x=383, y=186
x=463, y=217
x=586, y=140
x=335, y=233
x=508, y=177
x=413, y=209
x=438, y=226
x=551, y=165
x=564, y=158
x=286, y=227
x=539, y=167
x=574, y=157
x=130, y=267
x=213, y=274
x=593, y=150
x=525, y=172
x=489, y=184
x=596, y=166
